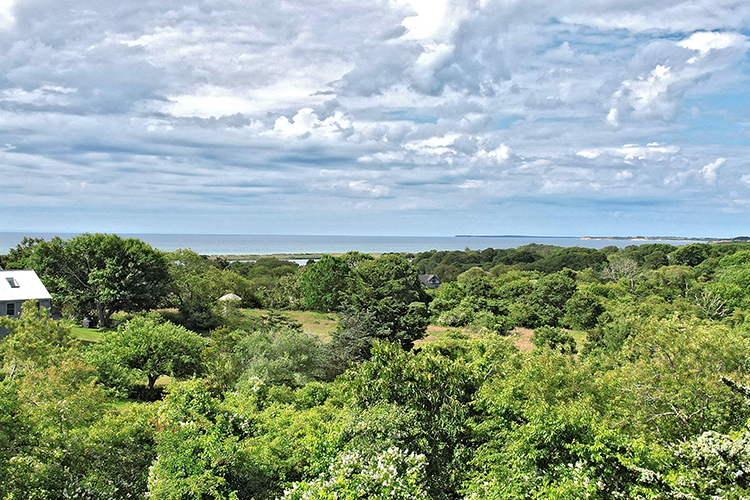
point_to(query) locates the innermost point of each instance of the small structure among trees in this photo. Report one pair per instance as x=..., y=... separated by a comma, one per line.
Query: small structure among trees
x=18, y=287
x=430, y=281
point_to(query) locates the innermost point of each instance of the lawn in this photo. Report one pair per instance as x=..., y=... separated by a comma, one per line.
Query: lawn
x=86, y=334
x=321, y=325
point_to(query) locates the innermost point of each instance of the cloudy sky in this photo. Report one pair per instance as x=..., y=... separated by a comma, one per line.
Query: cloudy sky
x=400, y=117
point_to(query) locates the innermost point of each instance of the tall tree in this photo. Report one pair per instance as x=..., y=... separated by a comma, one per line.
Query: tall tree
x=323, y=284
x=154, y=349
x=102, y=273
x=389, y=288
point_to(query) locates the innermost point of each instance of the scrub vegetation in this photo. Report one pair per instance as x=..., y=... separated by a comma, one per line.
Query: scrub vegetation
x=322, y=381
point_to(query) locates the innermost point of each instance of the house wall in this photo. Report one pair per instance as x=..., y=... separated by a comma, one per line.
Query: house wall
x=18, y=306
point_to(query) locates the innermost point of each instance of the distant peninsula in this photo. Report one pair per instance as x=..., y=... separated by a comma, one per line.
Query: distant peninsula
x=736, y=239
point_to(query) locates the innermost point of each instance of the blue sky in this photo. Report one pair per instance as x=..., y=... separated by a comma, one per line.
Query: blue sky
x=398, y=117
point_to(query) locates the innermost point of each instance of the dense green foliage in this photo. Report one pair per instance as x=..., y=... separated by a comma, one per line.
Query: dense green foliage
x=637, y=384
x=150, y=349
x=99, y=274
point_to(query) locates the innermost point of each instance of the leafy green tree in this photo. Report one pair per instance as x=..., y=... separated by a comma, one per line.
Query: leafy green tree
x=389, y=288
x=196, y=448
x=668, y=382
x=446, y=297
x=554, y=338
x=324, y=283
x=353, y=258
x=154, y=349
x=576, y=258
x=690, y=255
x=669, y=282
x=285, y=294
x=116, y=454
x=58, y=403
x=196, y=285
x=436, y=392
x=352, y=340
x=446, y=272
x=18, y=258
x=100, y=274
x=549, y=296
x=582, y=310
x=209, y=448
x=564, y=451
x=15, y=433
x=34, y=341
x=655, y=260
x=279, y=356
x=736, y=259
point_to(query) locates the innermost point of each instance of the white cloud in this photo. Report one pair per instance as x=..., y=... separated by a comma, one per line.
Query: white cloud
x=6, y=14
x=658, y=93
x=652, y=151
x=472, y=184
x=647, y=95
x=613, y=117
x=433, y=20
x=433, y=147
x=706, y=41
x=710, y=171
x=624, y=175
x=590, y=153
x=367, y=188
x=45, y=95
x=500, y=154
x=406, y=103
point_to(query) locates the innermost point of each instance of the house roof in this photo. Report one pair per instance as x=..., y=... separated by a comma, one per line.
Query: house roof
x=19, y=285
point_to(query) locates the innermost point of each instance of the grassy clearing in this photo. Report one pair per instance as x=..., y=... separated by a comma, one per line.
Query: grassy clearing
x=523, y=338
x=321, y=325
x=435, y=333
x=86, y=334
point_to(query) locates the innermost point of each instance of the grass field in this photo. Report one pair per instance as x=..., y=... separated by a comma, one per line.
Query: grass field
x=321, y=325
x=86, y=334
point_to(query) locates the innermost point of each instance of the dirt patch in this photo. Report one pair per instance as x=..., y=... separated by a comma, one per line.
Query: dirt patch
x=523, y=339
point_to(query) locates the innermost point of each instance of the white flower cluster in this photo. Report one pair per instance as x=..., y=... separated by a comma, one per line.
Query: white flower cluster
x=393, y=474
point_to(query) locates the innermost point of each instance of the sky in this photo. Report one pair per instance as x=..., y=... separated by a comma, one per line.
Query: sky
x=379, y=117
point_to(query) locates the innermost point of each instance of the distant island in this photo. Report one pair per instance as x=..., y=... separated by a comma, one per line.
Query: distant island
x=736, y=239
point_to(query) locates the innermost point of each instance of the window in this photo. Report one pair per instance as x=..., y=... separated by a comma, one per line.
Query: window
x=10, y=309
x=12, y=282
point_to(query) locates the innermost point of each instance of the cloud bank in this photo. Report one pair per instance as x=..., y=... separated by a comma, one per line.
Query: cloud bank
x=388, y=117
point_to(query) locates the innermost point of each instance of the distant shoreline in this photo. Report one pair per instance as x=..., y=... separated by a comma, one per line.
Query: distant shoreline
x=737, y=239
x=302, y=247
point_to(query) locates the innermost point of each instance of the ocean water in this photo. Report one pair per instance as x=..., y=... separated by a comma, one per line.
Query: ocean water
x=249, y=244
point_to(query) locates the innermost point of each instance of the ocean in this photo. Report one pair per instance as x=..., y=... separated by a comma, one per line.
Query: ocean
x=253, y=244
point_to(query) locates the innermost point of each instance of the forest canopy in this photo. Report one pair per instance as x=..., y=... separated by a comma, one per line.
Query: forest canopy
x=535, y=372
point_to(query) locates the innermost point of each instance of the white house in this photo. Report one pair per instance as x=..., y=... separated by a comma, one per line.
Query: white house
x=18, y=286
